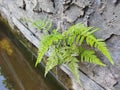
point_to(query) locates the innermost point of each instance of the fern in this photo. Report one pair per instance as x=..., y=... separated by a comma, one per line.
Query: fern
x=42, y=24
x=43, y=47
x=73, y=66
x=99, y=44
x=52, y=62
x=45, y=43
x=66, y=47
x=82, y=33
x=89, y=56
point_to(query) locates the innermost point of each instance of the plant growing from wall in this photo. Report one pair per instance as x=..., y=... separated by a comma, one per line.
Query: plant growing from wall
x=67, y=47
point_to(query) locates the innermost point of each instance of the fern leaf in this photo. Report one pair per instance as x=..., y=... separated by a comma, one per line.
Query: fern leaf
x=81, y=40
x=51, y=63
x=42, y=24
x=86, y=34
x=40, y=55
x=71, y=40
x=78, y=32
x=43, y=47
x=100, y=45
x=89, y=56
x=37, y=24
x=45, y=43
x=49, y=25
x=73, y=66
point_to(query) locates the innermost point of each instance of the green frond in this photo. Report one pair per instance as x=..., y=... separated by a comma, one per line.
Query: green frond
x=48, y=25
x=100, y=45
x=73, y=66
x=52, y=61
x=89, y=56
x=71, y=40
x=42, y=24
x=80, y=33
x=38, y=24
x=45, y=43
x=43, y=47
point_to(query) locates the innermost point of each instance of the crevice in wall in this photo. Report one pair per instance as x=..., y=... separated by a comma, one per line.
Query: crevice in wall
x=67, y=2
x=53, y=3
x=116, y=84
x=24, y=5
x=116, y=2
x=112, y=35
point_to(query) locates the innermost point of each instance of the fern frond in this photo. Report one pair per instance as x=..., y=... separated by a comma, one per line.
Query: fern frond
x=45, y=43
x=73, y=66
x=37, y=24
x=100, y=45
x=80, y=33
x=43, y=47
x=42, y=24
x=89, y=56
x=52, y=61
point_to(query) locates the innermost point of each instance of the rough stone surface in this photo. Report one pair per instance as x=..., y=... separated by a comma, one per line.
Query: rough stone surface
x=73, y=13
x=104, y=14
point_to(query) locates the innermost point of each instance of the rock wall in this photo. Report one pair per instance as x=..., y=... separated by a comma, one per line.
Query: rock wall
x=103, y=14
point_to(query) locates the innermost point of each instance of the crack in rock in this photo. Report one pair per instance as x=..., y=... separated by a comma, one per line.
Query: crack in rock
x=21, y=4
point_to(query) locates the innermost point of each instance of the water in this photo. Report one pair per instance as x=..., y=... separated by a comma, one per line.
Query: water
x=17, y=73
x=2, y=82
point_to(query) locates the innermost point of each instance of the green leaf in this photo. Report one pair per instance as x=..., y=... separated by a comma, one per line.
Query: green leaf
x=89, y=56
x=100, y=45
x=42, y=24
x=73, y=66
x=51, y=63
x=41, y=53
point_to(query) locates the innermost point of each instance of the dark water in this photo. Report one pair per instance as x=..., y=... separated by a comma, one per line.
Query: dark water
x=17, y=73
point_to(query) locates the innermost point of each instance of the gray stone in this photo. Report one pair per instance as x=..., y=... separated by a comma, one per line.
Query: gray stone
x=114, y=47
x=73, y=13
x=83, y=3
x=30, y=4
x=21, y=4
x=66, y=2
x=108, y=21
x=45, y=5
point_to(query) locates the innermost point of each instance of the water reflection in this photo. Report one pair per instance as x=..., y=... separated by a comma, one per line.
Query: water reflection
x=5, y=45
x=3, y=82
x=17, y=70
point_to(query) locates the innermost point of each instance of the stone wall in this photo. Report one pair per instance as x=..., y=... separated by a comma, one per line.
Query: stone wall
x=104, y=14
